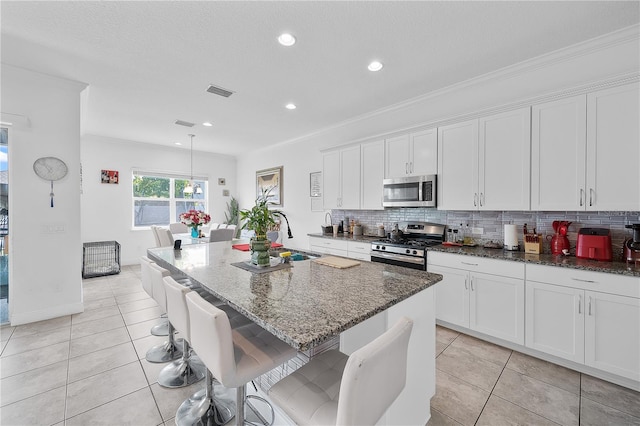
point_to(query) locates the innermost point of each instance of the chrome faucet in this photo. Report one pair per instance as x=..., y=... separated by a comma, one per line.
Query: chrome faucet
x=330, y=220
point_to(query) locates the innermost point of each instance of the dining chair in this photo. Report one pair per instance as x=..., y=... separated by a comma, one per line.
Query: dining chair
x=336, y=389
x=221, y=235
x=178, y=228
x=166, y=237
x=222, y=226
x=154, y=231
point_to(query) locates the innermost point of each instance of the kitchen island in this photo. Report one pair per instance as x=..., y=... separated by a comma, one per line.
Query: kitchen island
x=307, y=303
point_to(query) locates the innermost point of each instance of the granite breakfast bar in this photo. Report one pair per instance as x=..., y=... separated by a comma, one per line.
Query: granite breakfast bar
x=308, y=303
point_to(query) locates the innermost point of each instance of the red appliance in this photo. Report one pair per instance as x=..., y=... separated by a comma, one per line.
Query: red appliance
x=559, y=241
x=595, y=244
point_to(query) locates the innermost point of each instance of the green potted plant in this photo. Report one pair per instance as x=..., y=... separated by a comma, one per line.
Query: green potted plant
x=260, y=219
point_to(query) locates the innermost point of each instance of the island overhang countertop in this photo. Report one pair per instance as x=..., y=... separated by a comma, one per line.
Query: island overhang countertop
x=305, y=304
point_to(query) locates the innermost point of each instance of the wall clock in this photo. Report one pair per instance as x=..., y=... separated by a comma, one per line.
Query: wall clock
x=51, y=169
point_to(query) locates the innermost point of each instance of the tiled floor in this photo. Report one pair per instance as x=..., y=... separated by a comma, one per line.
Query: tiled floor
x=478, y=383
x=89, y=368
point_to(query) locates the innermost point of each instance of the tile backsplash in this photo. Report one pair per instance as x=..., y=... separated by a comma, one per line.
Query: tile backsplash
x=492, y=222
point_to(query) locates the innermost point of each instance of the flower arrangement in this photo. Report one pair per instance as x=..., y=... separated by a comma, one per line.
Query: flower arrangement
x=194, y=218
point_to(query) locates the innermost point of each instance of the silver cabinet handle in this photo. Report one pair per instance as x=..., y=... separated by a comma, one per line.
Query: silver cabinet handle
x=475, y=199
x=481, y=199
x=589, y=305
x=406, y=168
x=466, y=284
x=411, y=167
x=470, y=264
x=581, y=194
x=584, y=281
x=590, y=197
x=579, y=304
x=472, y=284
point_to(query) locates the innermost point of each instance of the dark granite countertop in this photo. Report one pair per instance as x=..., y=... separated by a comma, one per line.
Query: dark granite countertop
x=620, y=268
x=347, y=237
x=303, y=305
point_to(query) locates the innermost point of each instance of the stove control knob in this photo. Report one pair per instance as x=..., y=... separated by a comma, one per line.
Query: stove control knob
x=408, y=251
x=415, y=252
x=377, y=247
x=383, y=248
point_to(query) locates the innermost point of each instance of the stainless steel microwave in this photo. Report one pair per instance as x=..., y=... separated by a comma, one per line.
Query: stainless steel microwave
x=411, y=191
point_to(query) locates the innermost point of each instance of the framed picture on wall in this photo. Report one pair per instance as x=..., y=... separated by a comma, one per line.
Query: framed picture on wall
x=270, y=180
x=109, y=176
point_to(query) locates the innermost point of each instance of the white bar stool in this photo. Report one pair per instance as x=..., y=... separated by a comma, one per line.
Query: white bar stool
x=333, y=389
x=233, y=356
x=161, y=329
x=168, y=351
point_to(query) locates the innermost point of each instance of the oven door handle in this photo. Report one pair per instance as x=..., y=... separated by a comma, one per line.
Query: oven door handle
x=408, y=259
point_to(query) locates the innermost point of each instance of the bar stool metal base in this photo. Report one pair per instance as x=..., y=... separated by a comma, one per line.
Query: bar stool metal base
x=184, y=371
x=209, y=406
x=161, y=329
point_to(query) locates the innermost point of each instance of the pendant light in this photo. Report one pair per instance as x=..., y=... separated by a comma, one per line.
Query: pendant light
x=189, y=188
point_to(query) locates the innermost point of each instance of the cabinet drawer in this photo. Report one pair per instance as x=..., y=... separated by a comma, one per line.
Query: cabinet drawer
x=329, y=243
x=358, y=247
x=476, y=264
x=585, y=280
x=360, y=256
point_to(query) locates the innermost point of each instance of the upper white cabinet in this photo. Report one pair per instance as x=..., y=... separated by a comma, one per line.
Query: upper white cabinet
x=485, y=164
x=414, y=154
x=341, y=178
x=372, y=163
x=585, y=152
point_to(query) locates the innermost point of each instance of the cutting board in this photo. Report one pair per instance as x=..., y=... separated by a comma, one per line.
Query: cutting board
x=337, y=262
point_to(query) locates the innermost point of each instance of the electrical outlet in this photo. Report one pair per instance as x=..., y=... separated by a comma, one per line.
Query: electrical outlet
x=477, y=231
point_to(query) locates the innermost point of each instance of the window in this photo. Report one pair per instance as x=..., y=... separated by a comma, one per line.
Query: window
x=158, y=198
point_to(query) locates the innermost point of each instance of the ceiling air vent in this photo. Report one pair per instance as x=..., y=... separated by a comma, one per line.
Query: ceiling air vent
x=184, y=123
x=219, y=91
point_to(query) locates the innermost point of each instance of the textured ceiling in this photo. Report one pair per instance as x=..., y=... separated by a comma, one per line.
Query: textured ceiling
x=149, y=63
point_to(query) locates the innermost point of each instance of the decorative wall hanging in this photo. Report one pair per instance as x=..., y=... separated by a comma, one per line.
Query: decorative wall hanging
x=270, y=180
x=109, y=176
x=51, y=169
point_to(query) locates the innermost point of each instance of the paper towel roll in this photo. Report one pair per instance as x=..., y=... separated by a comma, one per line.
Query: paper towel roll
x=510, y=237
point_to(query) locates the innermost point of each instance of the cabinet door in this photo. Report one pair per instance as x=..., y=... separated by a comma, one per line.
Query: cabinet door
x=350, y=178
x=396, y=157
x=558, y=150
x=331, y=180
x=372, y=155
x=452, y=296
x=458, y=166
x=612, y=334
x=496, y=306
x=423, y=153
x=613, y=149
x=504, y=161
x=555, y=320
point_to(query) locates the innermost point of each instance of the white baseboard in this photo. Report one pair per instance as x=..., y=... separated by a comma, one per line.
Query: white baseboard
x=45, y=314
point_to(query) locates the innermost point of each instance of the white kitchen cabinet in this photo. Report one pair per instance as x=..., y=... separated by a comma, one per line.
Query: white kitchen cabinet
x=359, y=250
x=585, y=152
x=341, y=247
x=613, y=149
x=470, y=297
x=566, y=317
x=372, y=163
x=413, y=154
x=341, y=178
x=484, y=164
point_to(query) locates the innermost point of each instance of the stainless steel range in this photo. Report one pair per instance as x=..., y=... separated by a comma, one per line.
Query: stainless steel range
x=406, y=245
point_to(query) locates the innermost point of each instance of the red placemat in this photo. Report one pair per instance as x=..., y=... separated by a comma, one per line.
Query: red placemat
x=245, y=247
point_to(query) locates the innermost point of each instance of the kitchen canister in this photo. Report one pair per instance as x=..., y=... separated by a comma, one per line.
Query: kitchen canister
x=511, y=237
x=357, y=230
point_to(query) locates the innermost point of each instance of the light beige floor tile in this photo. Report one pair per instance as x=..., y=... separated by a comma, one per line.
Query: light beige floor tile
x=458, y=399
x=100, y=361
x=547, y=372
x=95, y=314
x=481, y=349
x=476, y=371
x=42, y=326
x=89, y=328
x=99, y=303
x=142, y=329
x=152, y=370
x=6, y=331
x=146, y=343
x=98, y=341
x=35, y=341
x=94, y=391
x=30, y=360
x=169, y=400
x=445, y=335
x=137, y=408
x=142, y=315
x=622, y=399
x=96, y=292
x=595, y=414
x=541, y=398
x=33, y=382
x=440, y=347
x=137, y=305
x=501, y=412
x=439, y=419
x=45, y=408
x=3, y=344
x=126, y=286
x=131, y=297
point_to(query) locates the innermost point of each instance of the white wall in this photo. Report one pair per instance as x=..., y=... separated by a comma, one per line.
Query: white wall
x=107, y=209
x=589, y=64
x=45, y=268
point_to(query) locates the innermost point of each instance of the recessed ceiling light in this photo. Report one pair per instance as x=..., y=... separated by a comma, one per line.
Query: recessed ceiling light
x=286, y=39
x=375, y=66
x=290, y=106
x=208, y=124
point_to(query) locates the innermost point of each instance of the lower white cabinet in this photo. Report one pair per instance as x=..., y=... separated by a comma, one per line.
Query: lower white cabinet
x=470, y=297
x=566, y=318
x=336, y=247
